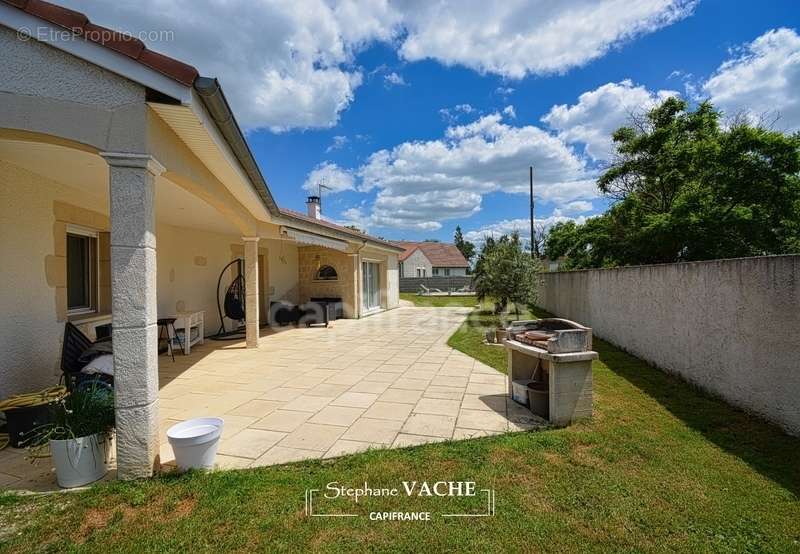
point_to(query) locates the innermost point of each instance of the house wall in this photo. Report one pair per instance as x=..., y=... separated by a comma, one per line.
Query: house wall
x=32, y=322
x=190, y=261
x=310, y=258
x=392, y=281
x=36, y=66
x=283, y=269
x=348, y=267
x=43, y=89
x=34, y=212
x=416, y=259
x=188, y=265
x=280, y=269
x=389, y=275
x=727, y=326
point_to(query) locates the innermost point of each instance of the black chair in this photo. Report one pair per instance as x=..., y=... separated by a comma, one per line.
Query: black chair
x=164, y=323
x=74, y=345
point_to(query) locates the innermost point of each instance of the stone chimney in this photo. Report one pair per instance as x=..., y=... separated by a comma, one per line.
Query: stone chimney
x=314, y=207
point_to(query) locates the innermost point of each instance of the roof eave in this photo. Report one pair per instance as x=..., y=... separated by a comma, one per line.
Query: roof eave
x=210, y=93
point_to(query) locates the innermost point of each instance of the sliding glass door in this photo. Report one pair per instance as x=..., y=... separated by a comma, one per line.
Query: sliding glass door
x=371, y=286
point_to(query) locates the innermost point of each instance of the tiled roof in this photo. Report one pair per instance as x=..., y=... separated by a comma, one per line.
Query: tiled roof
x=121, y=43
x=341, y=228
x=438, y=253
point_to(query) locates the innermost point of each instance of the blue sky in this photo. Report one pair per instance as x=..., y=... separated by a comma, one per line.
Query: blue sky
x=425, y=117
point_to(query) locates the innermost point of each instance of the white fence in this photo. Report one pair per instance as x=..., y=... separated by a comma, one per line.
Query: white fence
x=456, y=282
x=731, y=327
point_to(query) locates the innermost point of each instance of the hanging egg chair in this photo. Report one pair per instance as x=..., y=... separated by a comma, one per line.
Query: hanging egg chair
x=233, y=304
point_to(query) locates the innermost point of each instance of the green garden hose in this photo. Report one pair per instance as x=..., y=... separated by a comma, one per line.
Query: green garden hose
x=45, y=396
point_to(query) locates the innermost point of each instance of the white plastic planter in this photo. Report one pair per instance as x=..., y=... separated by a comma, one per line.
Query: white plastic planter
x=80, y=461
x=195, y=442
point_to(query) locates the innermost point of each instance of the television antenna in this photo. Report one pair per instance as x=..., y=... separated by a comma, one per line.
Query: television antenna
x=320, y=187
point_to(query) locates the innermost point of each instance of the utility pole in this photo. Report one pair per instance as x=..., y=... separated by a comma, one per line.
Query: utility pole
x=533, y=235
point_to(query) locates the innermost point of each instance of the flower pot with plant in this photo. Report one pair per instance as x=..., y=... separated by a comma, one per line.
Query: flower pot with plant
x=80, y=435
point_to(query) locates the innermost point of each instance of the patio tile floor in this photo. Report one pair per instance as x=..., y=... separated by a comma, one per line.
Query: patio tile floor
x=385, y=381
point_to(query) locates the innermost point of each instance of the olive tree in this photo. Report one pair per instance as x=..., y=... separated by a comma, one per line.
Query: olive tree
x=506, y=272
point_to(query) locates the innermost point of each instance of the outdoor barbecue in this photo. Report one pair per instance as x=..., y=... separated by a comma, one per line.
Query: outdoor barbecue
x=555, y=335
x=550, y=368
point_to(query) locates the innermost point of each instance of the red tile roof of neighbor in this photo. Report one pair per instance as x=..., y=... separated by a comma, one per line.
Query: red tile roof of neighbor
x=121, y=43
x=438, y=253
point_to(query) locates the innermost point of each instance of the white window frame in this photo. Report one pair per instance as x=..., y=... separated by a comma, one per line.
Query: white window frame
x=77, y=230
x=368, y=285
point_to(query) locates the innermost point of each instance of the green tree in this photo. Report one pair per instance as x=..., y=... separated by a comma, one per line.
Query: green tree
x=687, y=188
x=466, y=248
x=506, y=272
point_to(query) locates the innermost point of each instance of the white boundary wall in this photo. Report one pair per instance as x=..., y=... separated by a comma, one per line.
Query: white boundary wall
x=731, y=327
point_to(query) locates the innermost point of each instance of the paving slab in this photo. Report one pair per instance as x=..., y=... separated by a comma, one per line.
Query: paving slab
x=389, y=381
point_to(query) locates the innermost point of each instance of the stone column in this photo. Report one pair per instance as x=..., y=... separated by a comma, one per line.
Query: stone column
x=251, y=290
x=133, y=306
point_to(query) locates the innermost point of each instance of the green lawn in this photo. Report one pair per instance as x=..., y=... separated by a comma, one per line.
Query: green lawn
x=439, y=301
x=659, y=468
x=469, y=339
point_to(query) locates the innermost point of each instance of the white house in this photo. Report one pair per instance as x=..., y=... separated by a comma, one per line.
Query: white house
x=126, y=186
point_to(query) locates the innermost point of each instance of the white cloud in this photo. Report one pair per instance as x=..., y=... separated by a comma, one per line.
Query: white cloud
x=330, y=175
x=763, y=79
x=577, y=207
x=292, y=64
x=355, y=216
x=504, y=91
x=339, y=142
x=515, y=38
x=282, y=64
x=510, y=112
x=521, y=226
x=451, y=115
x=393, y=80
x=422, y=183
x=599, y=113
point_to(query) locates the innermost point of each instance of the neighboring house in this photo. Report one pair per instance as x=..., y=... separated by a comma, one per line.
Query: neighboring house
x=431, y=259
x=126, y=186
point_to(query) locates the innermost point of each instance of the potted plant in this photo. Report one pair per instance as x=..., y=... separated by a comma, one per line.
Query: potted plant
x=80, y=435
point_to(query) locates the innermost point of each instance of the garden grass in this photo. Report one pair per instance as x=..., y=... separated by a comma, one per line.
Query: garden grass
x=659, y=468
x=439, y=301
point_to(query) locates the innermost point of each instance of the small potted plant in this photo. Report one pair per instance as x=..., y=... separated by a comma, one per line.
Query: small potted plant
x=80, y=435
